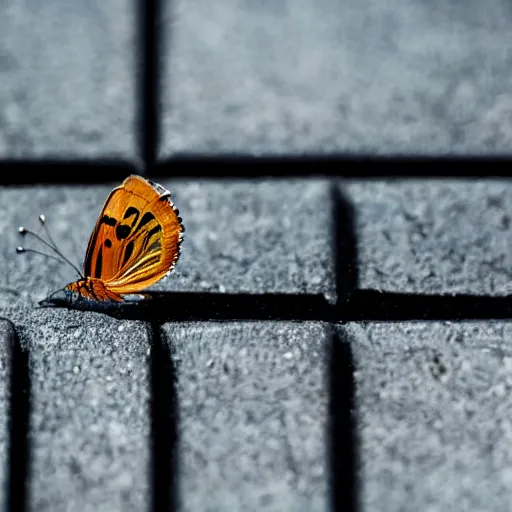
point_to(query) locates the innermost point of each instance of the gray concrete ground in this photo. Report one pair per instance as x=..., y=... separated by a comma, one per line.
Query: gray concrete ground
x=251, y=400
x=108, y=414
x=69, y=76
x=241, y=237
x=433, y=413
x=365, y=77
x=252, y=403
x=433, y=236
x=89, y=423
x=267, y=236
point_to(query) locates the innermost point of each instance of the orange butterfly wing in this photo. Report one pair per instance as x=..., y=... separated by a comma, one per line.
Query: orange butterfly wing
x=136, y=240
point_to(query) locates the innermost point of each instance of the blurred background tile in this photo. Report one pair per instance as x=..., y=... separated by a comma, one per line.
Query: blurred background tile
x=432, y=236
x=372, y=77
x=69, y=73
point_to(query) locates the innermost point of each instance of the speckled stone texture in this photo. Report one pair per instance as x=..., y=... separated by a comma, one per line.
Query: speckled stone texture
x=434, y=415
x=252, y=407
x=268, y=236
x=364, y=77
x=68, y=79
x=253, y=237
x=433, y=236
x=90, y=419
x=6, y=345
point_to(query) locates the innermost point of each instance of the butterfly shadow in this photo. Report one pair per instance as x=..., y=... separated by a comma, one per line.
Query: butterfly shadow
x=162, y=307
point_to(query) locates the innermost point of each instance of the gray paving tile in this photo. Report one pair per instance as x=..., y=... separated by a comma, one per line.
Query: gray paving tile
x=252, y=406
x=6, y=344
x=434, y=415
x=428, y=236
x=376, y=77
x=254, y=237
x=69, y=73
x=90, y=418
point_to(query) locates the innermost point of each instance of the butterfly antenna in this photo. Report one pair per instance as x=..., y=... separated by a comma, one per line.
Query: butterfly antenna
x=42, y=220
x=20, y=249
x=52, y=246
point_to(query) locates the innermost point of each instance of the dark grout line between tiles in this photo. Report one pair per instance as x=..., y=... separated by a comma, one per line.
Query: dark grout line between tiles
x=19, y=418
x=359, y=305
x=345, y=243
x=191, y=306
x=343, y=443
x=149, y=85
x=164, y=423
x=80, y=171
x=371, y=305
x=336, y=165
x=65, y=172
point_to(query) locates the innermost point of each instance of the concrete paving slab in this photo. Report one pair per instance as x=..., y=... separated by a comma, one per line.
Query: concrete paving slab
x=252, y=406
x=69, y=72
x=90, y=416
x=241, y=237
x=433, y=236
x=268, y=236
x=395, y=77
x=6, y=348
x=433, y=413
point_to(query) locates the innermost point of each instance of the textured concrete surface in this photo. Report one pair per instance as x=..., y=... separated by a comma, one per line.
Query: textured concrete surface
x=262, y=411
x=373, y=77
x=90, y=418
x=433, y=236
x=431, y=399
x=434, y=409
x=6, y=343
x=253, y=237
x=252, y=406
x=68, y=77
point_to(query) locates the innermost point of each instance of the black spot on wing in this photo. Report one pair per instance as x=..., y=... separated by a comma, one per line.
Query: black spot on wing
x=99, y=262
x=109, y=221
x=108, y=243
x=123, y=231
x=128, y=252
x=131, y=211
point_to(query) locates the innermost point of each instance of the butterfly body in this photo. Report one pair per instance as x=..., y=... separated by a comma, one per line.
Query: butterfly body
x=90, y=288
x=135, y=243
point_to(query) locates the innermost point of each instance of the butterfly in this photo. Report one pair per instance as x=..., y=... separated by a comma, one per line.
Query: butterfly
x=135, y=243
